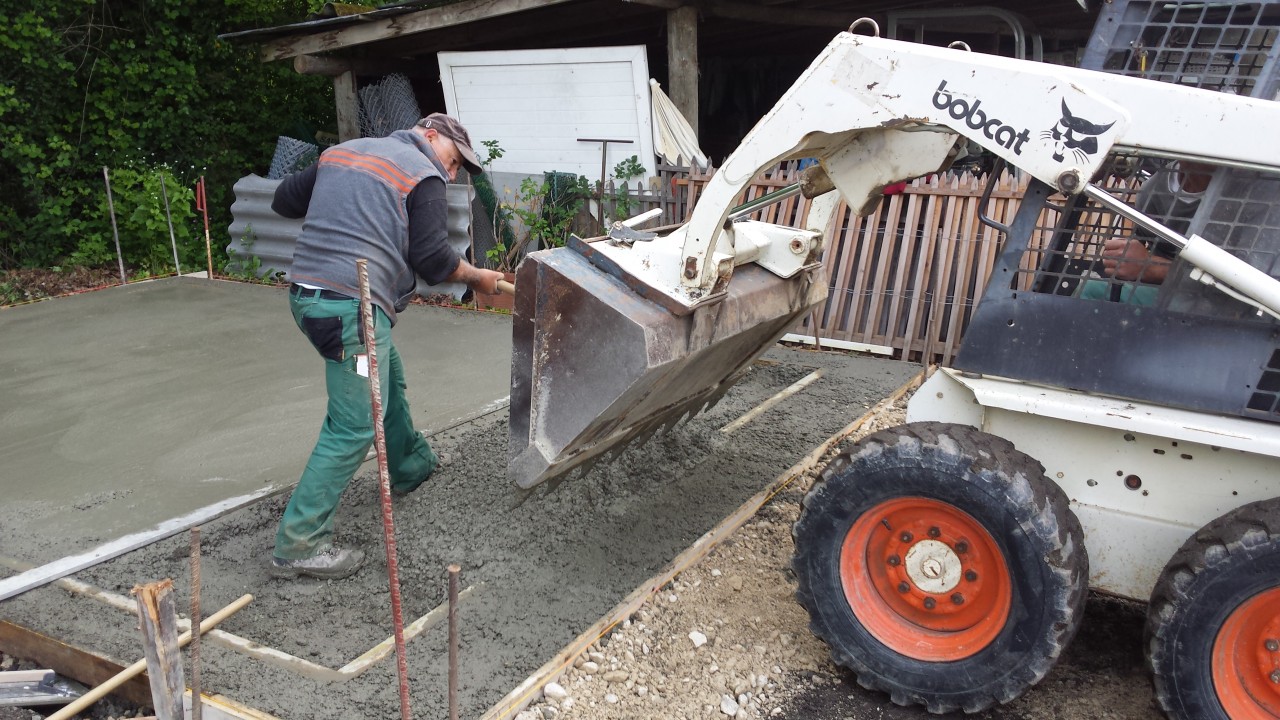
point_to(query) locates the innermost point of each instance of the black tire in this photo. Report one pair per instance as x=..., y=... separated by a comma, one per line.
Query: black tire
x=1029, y=529
x=1228, y=571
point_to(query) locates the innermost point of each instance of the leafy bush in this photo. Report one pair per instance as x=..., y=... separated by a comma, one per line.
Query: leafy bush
x=141, y=88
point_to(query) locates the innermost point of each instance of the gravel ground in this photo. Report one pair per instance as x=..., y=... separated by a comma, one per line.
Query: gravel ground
x=727, y=639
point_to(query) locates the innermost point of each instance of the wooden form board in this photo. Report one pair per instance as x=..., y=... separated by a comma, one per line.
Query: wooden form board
x=81, y=665
x=537, y=104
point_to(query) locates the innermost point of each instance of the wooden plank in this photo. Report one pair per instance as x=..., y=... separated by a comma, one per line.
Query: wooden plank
x=83, y=666
x=158, y=618
x=887, y=241
x=347, y=105
x=397, y=26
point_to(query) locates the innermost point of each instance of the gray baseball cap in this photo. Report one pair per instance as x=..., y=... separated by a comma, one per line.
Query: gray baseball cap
x=450, y=127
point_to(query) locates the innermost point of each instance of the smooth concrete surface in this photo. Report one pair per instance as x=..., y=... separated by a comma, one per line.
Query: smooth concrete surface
x=125, y=408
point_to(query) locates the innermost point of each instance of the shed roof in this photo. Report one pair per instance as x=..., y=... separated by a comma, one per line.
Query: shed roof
x=421, y=28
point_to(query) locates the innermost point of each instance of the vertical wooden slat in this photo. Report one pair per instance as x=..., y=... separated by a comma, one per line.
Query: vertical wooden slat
x=888, y=227
x=923, y=275
x=846, y=252
x=945, y=243
x=968, y=240
x=865, y=278
x=906, y=249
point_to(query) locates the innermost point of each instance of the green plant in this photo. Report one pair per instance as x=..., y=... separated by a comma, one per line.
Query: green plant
x=247, y=267
x=504, y=237
x=117, y=83
x=621, y=200
x=10, y=294
x=547, y=209
x=138, y=194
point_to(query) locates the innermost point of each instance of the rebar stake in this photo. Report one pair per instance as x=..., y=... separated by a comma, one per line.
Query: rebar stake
x=384, y=484
x=453, y=641
x=197, y=707
x=111, y=208
x=168, y=216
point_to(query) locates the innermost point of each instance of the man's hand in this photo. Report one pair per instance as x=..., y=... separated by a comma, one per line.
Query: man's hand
x=478, y=279
x=1128, y=259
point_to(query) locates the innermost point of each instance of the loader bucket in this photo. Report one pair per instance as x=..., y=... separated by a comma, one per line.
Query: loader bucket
x=595, y=365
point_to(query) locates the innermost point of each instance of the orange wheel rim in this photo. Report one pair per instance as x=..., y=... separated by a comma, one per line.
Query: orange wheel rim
x=1246, y=659
x=926, y=579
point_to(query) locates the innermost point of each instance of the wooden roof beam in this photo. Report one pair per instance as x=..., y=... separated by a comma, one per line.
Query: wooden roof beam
x=398, y=25
x=774, y=14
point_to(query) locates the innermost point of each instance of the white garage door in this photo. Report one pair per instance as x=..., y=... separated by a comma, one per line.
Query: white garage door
x=548, y=109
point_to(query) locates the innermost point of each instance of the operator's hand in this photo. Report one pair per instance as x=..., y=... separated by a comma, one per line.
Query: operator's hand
x=486, y=282
x=478, y=279
x=1128, y=259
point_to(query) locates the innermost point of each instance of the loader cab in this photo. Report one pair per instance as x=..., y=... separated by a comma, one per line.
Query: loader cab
x=1056, y=313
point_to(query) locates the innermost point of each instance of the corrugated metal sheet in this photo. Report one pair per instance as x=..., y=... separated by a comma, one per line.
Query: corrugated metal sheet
x=258, y=232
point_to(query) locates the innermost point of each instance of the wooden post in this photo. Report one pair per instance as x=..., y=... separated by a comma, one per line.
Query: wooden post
x=159, y=621
x=682, y=62
x=347, y=104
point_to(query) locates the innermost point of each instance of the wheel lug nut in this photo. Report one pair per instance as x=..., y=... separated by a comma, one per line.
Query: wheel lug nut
x=903, y=587
x=1272, y=645
x=971, y=575
x=962, y=547
x=894, y=560
x=957, y=599
x=906, y=537
x=934, y=532
x=1275, y=676
x=929, y=603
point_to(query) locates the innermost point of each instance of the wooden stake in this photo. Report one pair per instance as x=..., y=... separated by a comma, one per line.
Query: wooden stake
x=159, y=620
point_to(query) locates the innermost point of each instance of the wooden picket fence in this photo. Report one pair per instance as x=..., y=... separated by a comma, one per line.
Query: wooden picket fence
x=906, y=277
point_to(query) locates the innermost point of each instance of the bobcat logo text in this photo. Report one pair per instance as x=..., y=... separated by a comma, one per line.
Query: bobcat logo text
x=977, y=119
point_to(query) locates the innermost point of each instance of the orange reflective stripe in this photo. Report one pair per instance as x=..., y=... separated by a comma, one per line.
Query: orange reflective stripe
x=384, y=169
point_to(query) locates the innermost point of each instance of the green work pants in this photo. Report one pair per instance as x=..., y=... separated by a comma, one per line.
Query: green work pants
x=334, y=329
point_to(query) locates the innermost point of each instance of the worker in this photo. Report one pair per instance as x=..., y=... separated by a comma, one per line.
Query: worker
x=382, y=200
x=1141, y=262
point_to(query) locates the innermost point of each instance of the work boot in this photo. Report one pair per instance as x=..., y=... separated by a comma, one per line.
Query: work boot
x=330, y=563
x=442, y=459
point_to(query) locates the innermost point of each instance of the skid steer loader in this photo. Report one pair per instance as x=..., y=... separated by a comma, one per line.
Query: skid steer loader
x=1111, y=419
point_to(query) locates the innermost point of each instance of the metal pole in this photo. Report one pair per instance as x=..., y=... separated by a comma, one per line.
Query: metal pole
x=604, y=165
x=173, y=241
x=453, y=641
x=111, y=206
x=197, y=706
x=384, y=484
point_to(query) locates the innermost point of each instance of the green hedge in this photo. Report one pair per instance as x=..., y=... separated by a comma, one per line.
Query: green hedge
x=147, y=90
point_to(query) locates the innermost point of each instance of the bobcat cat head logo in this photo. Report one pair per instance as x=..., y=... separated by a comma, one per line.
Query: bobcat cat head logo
x=1074, y=134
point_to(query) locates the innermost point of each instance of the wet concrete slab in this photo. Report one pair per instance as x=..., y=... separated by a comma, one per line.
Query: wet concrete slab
x=125, y=408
